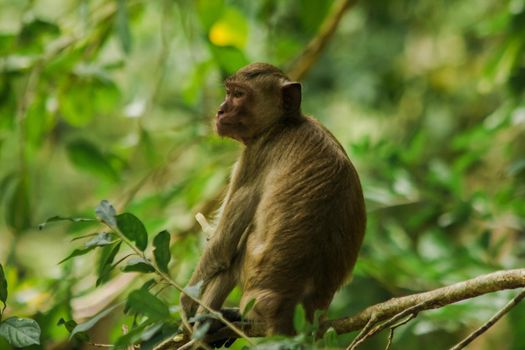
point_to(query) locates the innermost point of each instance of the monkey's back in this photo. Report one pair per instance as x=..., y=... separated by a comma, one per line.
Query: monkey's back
x=310, y=220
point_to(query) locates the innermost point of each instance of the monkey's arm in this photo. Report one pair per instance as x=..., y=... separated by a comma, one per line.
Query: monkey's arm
x=217, y=264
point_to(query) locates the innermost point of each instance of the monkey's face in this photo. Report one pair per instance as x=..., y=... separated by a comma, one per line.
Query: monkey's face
x=233, y=114
x=245, y=111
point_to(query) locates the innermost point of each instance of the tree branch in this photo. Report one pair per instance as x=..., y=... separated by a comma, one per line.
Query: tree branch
x=493, y=282
x=302, y=64
x=489, y=283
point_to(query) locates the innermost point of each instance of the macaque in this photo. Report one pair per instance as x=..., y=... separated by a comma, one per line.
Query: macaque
x=293, y=219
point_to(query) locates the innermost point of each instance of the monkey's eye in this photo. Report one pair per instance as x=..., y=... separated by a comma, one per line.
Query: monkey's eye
x=238, y=93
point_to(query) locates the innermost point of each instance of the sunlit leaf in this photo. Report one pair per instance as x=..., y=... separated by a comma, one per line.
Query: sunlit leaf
x=161, y=242
x=101, y=239
x=20, y=332
x=134, y=229
x=86, y=156
x=137, y=264
x=143, y=302
x=106, y=212
x=230, y=30
x=63, y=218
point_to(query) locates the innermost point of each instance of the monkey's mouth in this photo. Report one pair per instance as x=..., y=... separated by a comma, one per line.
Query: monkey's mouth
x=224, y=125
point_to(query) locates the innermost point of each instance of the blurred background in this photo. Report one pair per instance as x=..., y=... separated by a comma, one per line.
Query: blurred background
x=114, y=100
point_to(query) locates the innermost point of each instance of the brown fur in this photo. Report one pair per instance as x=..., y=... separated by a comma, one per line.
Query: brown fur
x=293, y=219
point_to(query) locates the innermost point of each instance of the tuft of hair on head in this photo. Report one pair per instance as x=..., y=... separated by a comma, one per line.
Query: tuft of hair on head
x=260, y=70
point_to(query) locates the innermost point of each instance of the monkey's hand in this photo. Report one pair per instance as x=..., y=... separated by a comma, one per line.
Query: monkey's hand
x=214, y=326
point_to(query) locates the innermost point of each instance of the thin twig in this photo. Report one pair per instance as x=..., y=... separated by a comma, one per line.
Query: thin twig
x=308, y=57
x=188, y=345
x=371, y=322
x=97, y=345
x=168, y=279
x=515, y=301
x=393, y=328
x=407, y=312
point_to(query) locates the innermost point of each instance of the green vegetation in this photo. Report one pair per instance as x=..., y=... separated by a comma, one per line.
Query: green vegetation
x=114, y=100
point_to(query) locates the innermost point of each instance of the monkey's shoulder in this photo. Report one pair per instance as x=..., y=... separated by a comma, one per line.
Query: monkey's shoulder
x=310, y=140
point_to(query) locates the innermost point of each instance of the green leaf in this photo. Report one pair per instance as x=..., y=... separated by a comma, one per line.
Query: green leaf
x=299, y=318
x=209, y=11
x=20, y=332
x=230, y=30
x=248, y=307
x=229, y=58
x=86, y=156
x=34, y=35
x=18, y=210
x=77, y=252
x=102, y=239
x=330, y=338
x=195, y=290
x=138, y=265
x=143, y=302
x=106, y=263
x=3, y=289
x=84, y=327
x=106, y=213
x=70, y=326
x=161, y=242
x=122, y=26
x=63, y=218
x=148, y=284
x=134, y=229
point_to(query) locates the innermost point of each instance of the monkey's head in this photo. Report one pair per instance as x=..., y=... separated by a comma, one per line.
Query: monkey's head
x=257, y=97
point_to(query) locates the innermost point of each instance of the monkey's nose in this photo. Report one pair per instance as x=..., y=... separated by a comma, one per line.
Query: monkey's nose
x=222, y=109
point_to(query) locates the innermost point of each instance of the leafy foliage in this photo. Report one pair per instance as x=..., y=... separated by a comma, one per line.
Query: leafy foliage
x=111, y=100
x=18, y=331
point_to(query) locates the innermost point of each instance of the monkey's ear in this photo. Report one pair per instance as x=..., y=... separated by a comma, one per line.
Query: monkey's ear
x=291, y=92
